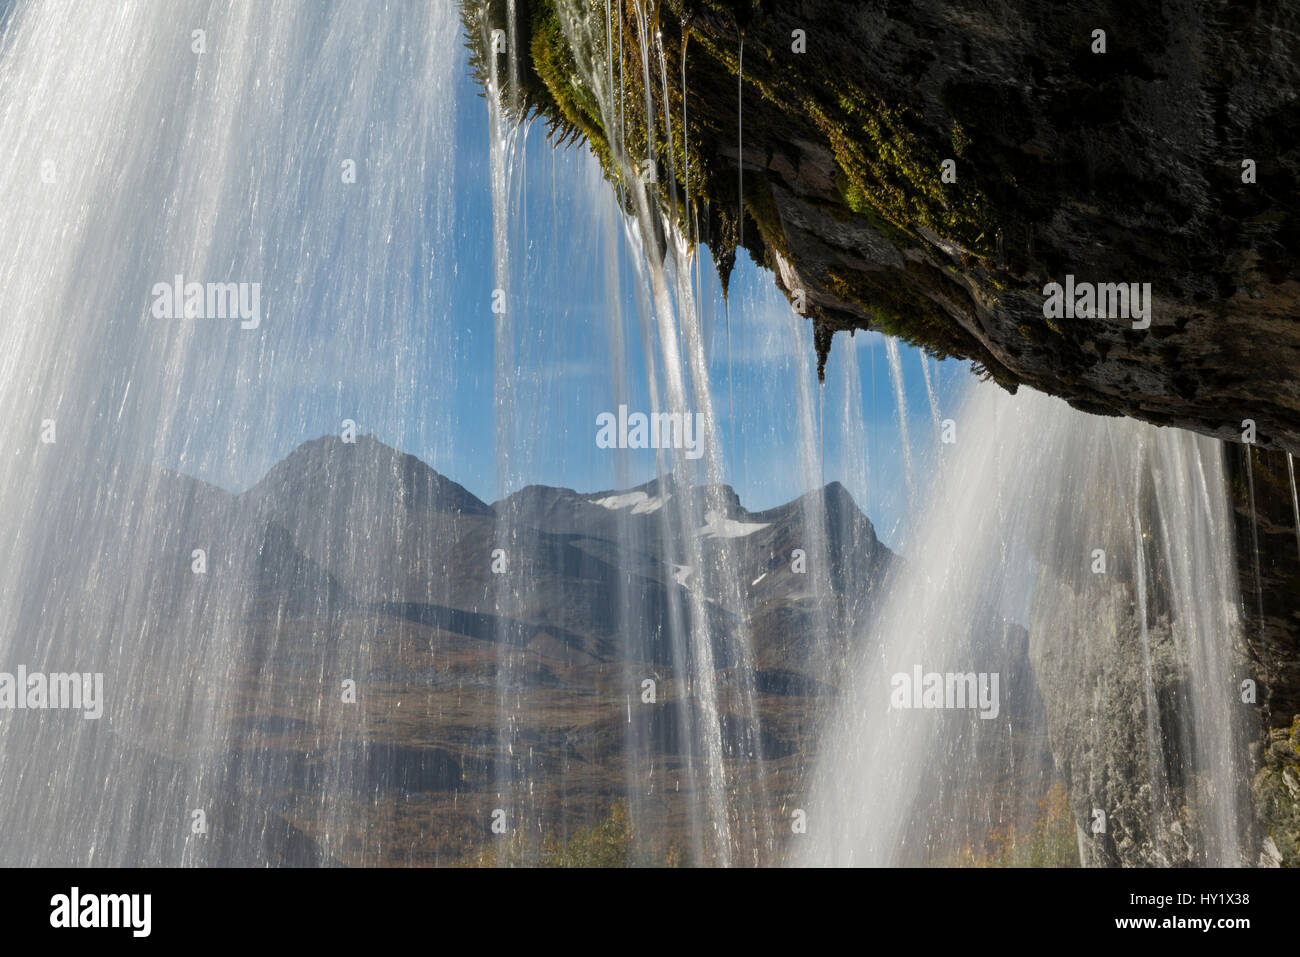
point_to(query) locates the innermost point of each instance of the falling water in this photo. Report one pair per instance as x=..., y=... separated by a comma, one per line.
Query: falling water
x=733, y=790
x=315, y=156
x=931, y=395
x=226, y=144
x=507, y=143
x=1150, y=714
x=898, y=784
x=846, y=378
x=900, y=402
x=1295, y=499
x=1248, y=452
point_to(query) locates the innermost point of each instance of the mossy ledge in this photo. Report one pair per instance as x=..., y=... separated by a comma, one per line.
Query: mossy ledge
x=1115, y=167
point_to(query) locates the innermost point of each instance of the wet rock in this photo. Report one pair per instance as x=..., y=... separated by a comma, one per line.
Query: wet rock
x=1277, y=798
x=1122, y=166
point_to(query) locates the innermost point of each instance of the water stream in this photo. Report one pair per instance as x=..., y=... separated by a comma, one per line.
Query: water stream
x=309, y=152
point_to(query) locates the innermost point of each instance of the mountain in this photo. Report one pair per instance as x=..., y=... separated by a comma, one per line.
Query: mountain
x=365, y=474
x=489, y=649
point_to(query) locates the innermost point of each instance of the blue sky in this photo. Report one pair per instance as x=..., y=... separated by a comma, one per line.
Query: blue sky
x=572, y=358
x=415, y=365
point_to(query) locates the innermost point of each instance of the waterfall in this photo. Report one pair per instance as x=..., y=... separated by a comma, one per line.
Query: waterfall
x=900, y=401
x=222, y=144
x=932, y=396
x=268, y=633
x=1098, y=592
x=505, y=149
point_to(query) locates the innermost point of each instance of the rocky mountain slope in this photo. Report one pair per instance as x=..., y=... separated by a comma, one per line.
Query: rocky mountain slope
x=480, y=678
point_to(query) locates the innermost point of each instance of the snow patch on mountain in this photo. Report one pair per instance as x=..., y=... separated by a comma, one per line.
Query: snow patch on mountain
x=718, y=526
x=639, y=502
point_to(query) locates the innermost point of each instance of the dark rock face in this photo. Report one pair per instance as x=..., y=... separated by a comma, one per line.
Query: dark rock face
x=1096, y=695
x=1277, y=792
x=1109, y=697
x=1123, y=166
x=1117, y=167
x=1268, y=573
x=1268, y=550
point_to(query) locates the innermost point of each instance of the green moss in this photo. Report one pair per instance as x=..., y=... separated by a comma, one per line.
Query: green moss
x=609, y=842
x=892, y=171
x=960, y=141
x=553, y=63
x=888, y=171
x=916, y=320
x=761, y=208
x=857, y=201
x=1048, y=841
x=526, y=95
x=890, y=168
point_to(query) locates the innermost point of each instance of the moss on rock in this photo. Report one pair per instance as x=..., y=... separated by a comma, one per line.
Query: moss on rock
x=887, y=170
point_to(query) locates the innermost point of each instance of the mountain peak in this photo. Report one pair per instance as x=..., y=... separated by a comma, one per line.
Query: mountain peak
x=366, y=470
